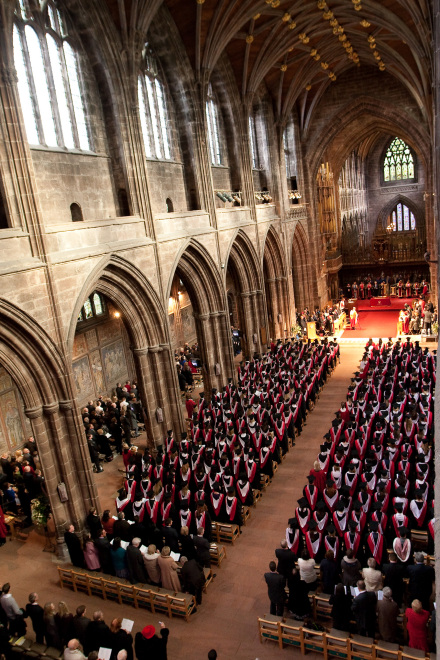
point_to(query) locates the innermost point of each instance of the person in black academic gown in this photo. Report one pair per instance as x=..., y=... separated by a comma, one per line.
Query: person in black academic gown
x=74, y=547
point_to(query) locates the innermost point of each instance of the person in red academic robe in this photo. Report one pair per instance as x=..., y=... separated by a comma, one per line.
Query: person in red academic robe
x=3, y=528
x=408, y=289
x=361, y=291
x=369, y=290
x=400, y=289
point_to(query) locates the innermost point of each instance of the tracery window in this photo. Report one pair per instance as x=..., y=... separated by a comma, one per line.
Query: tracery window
x=153, y=109
x=49, y=78
x=93, y=306
x=256, y=165
x=402, y=218
x=398, y=162
x=289, y=151
x=213, y=128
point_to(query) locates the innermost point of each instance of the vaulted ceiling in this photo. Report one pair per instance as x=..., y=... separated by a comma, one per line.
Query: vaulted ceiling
x=298, y=48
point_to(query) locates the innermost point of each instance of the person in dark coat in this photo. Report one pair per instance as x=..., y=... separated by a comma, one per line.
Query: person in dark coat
x=394, y=573
x=148, y=645
x=192, y=578
x=202, y=548
x=97, y=634
x=187, y=544
x=341, y=608
x=364, y=610
x=421, y=576
x=80, y=624
x=35, y=613
x=94, y=523
x=135, y=561
x=74, y=547
x=276, y=589
x=170, y=535
x=103, y=547
x=330, y=573
x=286, y=559
x=122, y=528
x=120, y=640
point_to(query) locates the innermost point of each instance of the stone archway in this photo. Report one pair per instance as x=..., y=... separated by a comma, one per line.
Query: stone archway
x=145, y=322
x=302, y=270
x=195, y=267
x=37, y=368
x=275, y=281
x=243, y=266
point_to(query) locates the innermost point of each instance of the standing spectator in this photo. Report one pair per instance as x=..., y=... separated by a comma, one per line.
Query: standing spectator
x=372, y=577
x=394, y=573
x=421, y=578
x=150, y=561
x=286, y=559
x=73, y=652
x=320, y=476
x=387, y=612
x=91, y=554
x=307, y=570
x=14, y=614
x=135, y=561
x=168, y=570
x=51, y=631
x=298, y=602
x=93, y=523
x=351, y=569
x=63, y=620
x=202, y=548
x=416, y=625
x=74, y=547
x=341, y=608
x=364, y=610
x=329, y=572
x=80, y=623
x=119, y=559
x=97, y=633
x=148, y=645
x=120, y=640
x=35, y=612
x=104, y=554
x=192, y=578
x=276, y=589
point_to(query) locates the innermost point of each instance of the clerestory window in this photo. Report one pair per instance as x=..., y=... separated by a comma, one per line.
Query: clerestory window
x=153, y=109
x=398, y=163
x=49, y=78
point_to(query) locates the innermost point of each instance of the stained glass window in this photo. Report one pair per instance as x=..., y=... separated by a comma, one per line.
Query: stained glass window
x=213, y=128
x=97, y=303
x=80, y=316
x=254, y=143
x=153, y=109
x=88, y=309
x=49, y=80
x=399, y=162
x=402, y=218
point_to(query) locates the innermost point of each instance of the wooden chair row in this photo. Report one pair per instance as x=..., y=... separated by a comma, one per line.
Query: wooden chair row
x=22, y=647
x=171, y=603
x=333, y=643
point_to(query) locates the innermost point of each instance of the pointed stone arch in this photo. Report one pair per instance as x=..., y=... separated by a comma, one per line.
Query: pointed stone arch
x=302, y=269
x=38, y=369
x=276, y=285
x=201, y=277
x=244, y=267
x=145, y=321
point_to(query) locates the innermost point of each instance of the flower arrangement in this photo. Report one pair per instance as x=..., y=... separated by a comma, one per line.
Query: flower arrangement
x=434, y=328
x=40, y=510
x=297, y=330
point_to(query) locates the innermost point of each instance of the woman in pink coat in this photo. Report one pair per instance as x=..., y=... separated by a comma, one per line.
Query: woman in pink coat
x=168, y=570
x=91, y=554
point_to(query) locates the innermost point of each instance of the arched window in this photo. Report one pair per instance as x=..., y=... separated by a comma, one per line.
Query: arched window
x=49, y=79
x=76, y=212
x=398, y=163
x=289, y=151
x=254, y=143
x=213, y=128
x=93, y=306
x=155, y=121
x=402, y=218
x=169, y=204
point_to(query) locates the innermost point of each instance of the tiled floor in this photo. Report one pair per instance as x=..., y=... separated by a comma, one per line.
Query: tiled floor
x=227, y=619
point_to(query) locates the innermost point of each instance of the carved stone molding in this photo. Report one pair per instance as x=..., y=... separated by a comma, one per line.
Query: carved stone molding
x=34, y=413
x=51, y=408
x=397, y=190
x=66, y=405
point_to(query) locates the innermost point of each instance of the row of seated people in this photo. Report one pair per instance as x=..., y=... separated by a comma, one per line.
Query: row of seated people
x=56, y=628
x=234, y=439
x=375, y=472
x=373, y=481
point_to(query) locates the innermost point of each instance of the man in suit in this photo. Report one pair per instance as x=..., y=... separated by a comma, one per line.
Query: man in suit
x=103, y=547
x=122, y=528
x=35, y=612
x=286, y=559
x=202, y=548
x=394, y=572
x=97, y=634
x=421, y=578
x=135, y=561
x=192, y=578
x=276, y=589
x=170, y=535
x=364, y=610
x=80, y=624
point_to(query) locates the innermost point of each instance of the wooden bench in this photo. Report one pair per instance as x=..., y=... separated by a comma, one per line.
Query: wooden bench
x=322, y=607
x=269, y=628
x=256, y=496
x=224, y=532
x=264, y=482
x=171, y=603
x=218, y=553
x=246, y=514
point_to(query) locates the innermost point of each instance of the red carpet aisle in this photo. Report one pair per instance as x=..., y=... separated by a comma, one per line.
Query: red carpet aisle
x=396, y=303
x=374, y=324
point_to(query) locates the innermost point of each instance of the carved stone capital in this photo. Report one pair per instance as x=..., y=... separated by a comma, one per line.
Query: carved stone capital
x=66, y=405
x=141, y=351
x=51, y=408
x=34, y=413
x=9, y=75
